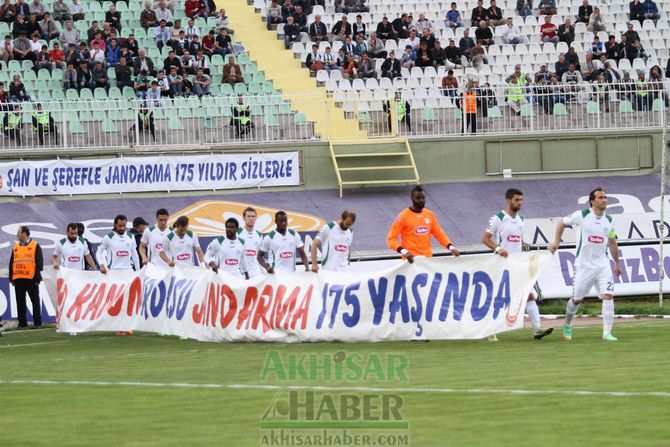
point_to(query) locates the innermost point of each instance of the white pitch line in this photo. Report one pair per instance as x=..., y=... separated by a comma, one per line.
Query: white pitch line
x=35, y=344
x=240, y=386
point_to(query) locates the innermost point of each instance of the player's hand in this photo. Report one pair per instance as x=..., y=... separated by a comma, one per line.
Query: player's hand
x=145, y=262
x=552, y=248
x=502, y=252
x=269, y=269
x=617, y=270
x=213, y=266
x=56, y=266
x=410, y=258
x=455, y=252
x=315, y=268
x=103, y=269
x=171, y=263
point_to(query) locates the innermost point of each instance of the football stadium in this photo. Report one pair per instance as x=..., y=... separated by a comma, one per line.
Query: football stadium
x=334, y=223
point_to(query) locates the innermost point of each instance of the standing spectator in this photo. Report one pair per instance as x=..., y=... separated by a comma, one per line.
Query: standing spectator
x=61, y=11
x=642, y=95
x=148, y=17
x=43, y=123
x=385, y=30
x=547, y=7
x=495, y=14
x=70, y=36
x=391, y=67
x=145, y=120
x=25, y=266
x=70, y=77
x=469, y=108
x=12, y=123
x=636, y=11
x=195, y=8
x=584, y=12
x=153, y=96
x=566, y=32
x=7, y=49
x=650, y=10
x=123, y=74
x=113, y=17
x=549, y=31
x=524, y=7
x=402, y=109
x=453, y=18
x=450, y=85
x=201, y=82
x=78, y=12
x=511, y=34
x=596, y=23
x=516, y=89
x=484, y=34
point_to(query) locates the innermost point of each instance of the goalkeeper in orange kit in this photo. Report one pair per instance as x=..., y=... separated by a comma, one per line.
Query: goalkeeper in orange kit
x=415, y=225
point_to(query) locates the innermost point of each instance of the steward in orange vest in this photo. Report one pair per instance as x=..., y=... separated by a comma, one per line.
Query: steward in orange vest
x=469, y=107
x=25, y=267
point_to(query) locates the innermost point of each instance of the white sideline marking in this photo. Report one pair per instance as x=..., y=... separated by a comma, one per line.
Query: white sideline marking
x=240, y=386
x=34, y=344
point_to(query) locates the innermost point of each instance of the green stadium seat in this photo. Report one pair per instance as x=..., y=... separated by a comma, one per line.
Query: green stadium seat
x=58, y=95
x=300, y=118
x=241, y=89
x=74, y=124
x=14, y=66
x=42, y=85
x=625, y=106
x=560, y=109
x=271, y=120
x=527, y=110
x=44, y=75
x=458, y=114
x=428, y=115
x=128, y=92
x=27, y=65
x=226, y=89
x=174, y=124
x=658, y=105
x=363, y=118
x=592, y=108
x=85, y=93
x=108, y=126
x=29, y=76
x=100, y=93
x=495, y=112
x=57, y=74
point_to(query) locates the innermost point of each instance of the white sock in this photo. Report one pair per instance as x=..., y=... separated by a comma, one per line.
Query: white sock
x=570, y=311
x=534, y=314
x=608, y=315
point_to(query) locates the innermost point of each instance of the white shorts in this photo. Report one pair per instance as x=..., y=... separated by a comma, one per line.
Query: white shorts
x=585, y=279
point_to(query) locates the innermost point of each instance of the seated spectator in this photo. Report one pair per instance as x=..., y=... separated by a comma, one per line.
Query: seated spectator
x=99, y=41
x=162, y=12
x=36, y=7
x=484, y=34
x=450, y=85
x=176, y=82
x=173, y=61
x=273, y=17
x=17, y=91
x=391, y=67
x=317, y=29
x=148, y=17
x=43, y=60
x=191, y=30
x=495, y=15
x=60, y=11
x=287, y=9
x=96, y=55
x=194, y=46
x=642, y=94
x=478, y=56
x=93, y=31
x=361, y=46
x=222, y=20
x=455, y=57
x=566, y=32
x=543, y=73
x=584, y=12
x=131, y=44
x=347, y=46
x=232, y=73
x=549, y=31
x=516, y=89
x=195, y=8
x=112, y=53
x=176, y=29
x=57, y=56
x=524, y=7
x=35, y=44
x=142, y=62
x=453, y=18
x=349, y=67
x=597, y=47
x=650, y=10
x=300, y=18
x=612, y=48
x=84, y=54
x=511, y=33
x=428, y=38
x=601, y=93
x=224, y=44
x=142, y=84
x=631, y=34
x=7, y=12
x=69, y=35
x=162, y=34
x=70, y=78
x=611, y=75
x=7, y=49
x=589, y=70
x=358, y=28
x=32, y=26
x=366, y=67
x=637, y=51
x=466, y=44
x=547, y=7
x=313, y=61
x=12, y=123
x=359, y=6
x=596, y=22
x=401, y=26
x=543, y=93
x=376, y=47
x=344, y=6
x=385, y=30
x=600, y=64
x=327, y=60
x=408, y=59
x=341, y=29
x=636, y=11
x=72, y=56
x=123, y=74
x=163, y=84
x=208, y=43
x=439, y=55
x=241, y=118
x=625, y=49
x=23, y=49
x=413, y=40
x=572, y=57
x=479, y=14
x=113, y=17
x=423, y=24
x=100, y=79
x=423, y=56
x=572, y=76
x=20, y=26
x=77, y=10
x=84, y=76
x=124, y=53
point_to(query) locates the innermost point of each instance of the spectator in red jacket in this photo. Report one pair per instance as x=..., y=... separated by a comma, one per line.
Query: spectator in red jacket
x=195, y=8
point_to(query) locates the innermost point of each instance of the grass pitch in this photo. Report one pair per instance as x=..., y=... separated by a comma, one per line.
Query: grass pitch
x=104, y=390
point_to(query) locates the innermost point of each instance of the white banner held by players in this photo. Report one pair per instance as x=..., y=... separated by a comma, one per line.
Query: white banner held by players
x=138, y=174
x=444, y=298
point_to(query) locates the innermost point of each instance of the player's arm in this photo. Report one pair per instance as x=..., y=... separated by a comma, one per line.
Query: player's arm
x=164, y=253
x=557, y=238
x=54, y=261
x=442, y=237
x=316, y=243
x=614, y=250
x=210, y=255
x=90, y=261
x=198, y=250
x=243, y=265
x=103, y=252
x=136, y=258
x=392, y=240
x=260, y=257
x=144, y=243
x=301, y=250
x=492, y=229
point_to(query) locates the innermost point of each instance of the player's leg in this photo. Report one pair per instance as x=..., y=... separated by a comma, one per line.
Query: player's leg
x=606, y=293
x=534, y=315
x=583, y=281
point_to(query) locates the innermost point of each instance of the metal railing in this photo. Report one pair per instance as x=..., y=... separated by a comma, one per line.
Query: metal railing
x=420, y=113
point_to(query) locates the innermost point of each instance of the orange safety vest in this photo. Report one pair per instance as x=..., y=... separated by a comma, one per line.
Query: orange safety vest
x=25, y=264
x=470, y=102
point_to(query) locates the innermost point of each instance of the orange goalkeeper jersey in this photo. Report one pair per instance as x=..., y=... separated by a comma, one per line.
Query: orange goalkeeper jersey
x=415, y=230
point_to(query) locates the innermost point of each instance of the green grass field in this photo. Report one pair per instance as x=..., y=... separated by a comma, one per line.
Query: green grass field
x=83, y=403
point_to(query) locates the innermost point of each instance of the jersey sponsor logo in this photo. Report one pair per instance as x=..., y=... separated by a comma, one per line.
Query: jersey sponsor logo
x=341, y=248
x=285, y=255
x=121, y=253
x=596, y=239
x=514, y=238
x=232, y=262
x=183, y=256
x=250, y=253
x=73, y=259
x=421, y=230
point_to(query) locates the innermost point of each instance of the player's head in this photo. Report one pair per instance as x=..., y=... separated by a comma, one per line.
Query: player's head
x=231, y=228
x=23, y=233
x=281, y=220
x=348, y=219
x=80, y=229
x=120, y=223
x=514, y=199
x=598, y=199
x=418, y=198
x=181, y=225
x=162, y=217
x=72, y=231
x=249, y=215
